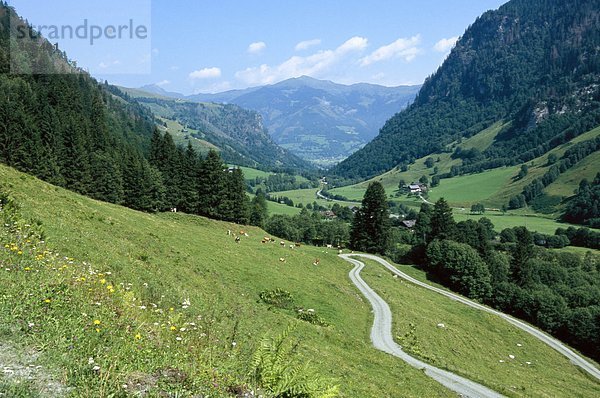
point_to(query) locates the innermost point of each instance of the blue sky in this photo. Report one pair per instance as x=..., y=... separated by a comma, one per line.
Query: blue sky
x=209, y=46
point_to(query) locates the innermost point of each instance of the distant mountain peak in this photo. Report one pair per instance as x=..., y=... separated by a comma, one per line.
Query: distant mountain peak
x=156, y=89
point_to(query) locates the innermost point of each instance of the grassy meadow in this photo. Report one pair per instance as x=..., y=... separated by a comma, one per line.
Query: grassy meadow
x=157, y=262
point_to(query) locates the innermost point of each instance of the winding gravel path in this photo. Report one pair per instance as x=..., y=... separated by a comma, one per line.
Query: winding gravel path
x=381, y=335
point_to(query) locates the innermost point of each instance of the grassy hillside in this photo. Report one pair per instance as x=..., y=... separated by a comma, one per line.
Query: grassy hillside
x=498, y=184
x=148, y=337
x=390, y=180
x=168, y=258
x=181, y=138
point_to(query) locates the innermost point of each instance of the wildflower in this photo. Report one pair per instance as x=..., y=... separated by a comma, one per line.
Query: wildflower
x=171, y=309
x=97, y=330
x=182, y=330
x=173, y=328
x=27, y=269
x=90, y=361
x=47, y=301
x=138, y=336
x=103, y=281
x=19, y=252
x=178, y=338
x=96, y=368
x=97, y=322
x=186, y=303
x=110, y=288
x=233, y=343
x=31, y=324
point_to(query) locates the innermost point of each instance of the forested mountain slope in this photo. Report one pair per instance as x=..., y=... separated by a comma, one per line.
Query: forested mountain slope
x=239, y=134
x=59, y=124
x=533, y=63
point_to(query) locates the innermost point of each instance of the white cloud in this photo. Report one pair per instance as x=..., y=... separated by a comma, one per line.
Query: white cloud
x=306, y=44
x=163, y=83
x=445, y=45
x=155, y=51
x=297, y=66
x=206, y=73
x=404, y=48
x=257, y=47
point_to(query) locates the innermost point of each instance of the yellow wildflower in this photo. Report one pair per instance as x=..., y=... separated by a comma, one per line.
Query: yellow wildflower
x=138, y=336
x=97, y=322
x=97, y=330
x=103, y=281
x=47, y=300
x=173, y=328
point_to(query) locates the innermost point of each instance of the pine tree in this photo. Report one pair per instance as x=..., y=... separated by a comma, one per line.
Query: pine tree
x=235, y=203
x=423, y=224
x=107, y=177
x=258, y=209
x=443, y=225
x=371, y=225
x=189, y=187
x=211, y=186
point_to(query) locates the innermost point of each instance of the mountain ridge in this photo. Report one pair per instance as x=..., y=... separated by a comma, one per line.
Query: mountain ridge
x=532, y=63
x=319, y=120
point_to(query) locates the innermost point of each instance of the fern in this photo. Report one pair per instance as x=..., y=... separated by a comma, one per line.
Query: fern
x=276, y=370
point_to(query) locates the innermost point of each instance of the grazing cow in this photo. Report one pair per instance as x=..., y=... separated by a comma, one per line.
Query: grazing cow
x=246, y=235
x=266, y=239
x=228, y=232
x=263, y=241
x=237, y=239
x=297, y=244
x=292, y=247
x=281, y=260
x=330, y=246
x=242, y=232
x=317, y=261
x=282, y=243
x=340, y=251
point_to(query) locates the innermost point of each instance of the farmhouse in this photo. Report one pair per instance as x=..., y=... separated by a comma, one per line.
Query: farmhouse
x=414, y=188
x=328, y=214
x=410, y=224
x=417, y=188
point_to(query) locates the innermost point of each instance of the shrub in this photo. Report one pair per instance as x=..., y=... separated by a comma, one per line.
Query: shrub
x=277, y=298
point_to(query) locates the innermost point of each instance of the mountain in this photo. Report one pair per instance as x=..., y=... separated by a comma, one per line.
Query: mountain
x=239, y=134
x=532, y=64
x=320, y=121
x=161, y=92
